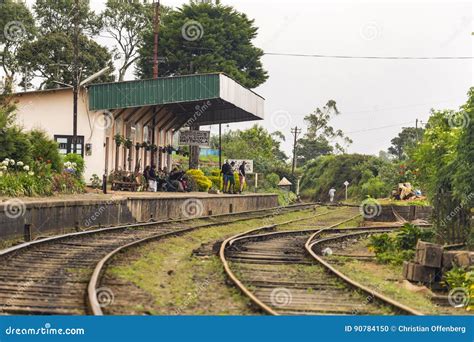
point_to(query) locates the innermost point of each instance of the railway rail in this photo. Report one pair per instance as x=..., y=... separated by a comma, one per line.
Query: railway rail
x=52, y=275
x=283, y=272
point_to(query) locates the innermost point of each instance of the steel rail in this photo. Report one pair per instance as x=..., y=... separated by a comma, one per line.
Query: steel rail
x=310, y=244
x=228, y=242
x=92, y=301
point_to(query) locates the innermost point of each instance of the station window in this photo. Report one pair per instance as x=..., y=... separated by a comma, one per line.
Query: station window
x=65, y=144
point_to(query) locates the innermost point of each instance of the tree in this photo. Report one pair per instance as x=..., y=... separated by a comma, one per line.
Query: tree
x=255, y=143
x=205, y=38
x=318, y=139
x=125, y=21
x=59, y=16
x=50, y=57
x=405, y=140
x=18, y=26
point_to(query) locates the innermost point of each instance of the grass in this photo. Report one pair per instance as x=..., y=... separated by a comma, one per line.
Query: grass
x=180, y=282
x=388, y=280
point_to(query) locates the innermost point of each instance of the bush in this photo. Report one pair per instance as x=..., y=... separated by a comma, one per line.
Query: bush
x=44, y=149
x=67, y=183
x=216, y=179
x=394, y=250
x=271, y=181
x=410, y=234
x=203, y=183
x=74, y=163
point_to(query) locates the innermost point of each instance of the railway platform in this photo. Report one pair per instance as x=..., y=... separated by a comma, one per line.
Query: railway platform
x=34, y=217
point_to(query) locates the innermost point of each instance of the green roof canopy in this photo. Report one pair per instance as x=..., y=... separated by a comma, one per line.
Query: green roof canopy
x=209, y=98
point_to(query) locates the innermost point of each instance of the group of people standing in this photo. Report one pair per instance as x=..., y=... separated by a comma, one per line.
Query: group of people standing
x=162, y=180
x=228, y=174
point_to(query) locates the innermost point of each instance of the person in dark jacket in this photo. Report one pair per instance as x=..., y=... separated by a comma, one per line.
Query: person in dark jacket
x=225, y=171
x=242, y=176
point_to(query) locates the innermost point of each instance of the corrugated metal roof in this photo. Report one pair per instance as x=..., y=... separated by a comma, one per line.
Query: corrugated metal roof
x=158, y=91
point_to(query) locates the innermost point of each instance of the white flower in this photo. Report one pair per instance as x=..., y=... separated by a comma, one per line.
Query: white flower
x=67, y=164
x=12, y=162
x=74, y=164
x=26, y=168
x=5, y=162
x=31, y=173
x=1, y=173
x=20, y=163
x=3, y=167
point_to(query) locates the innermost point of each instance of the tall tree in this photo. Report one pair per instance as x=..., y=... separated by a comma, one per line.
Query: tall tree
x=59, y=16
x=18, y=26
x=405, y=140
x=51, y=56
x=321, y=138
x=125, y=21
x=204, y=38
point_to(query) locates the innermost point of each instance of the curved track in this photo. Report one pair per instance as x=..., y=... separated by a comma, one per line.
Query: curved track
x=278, y=274
x=51, y=276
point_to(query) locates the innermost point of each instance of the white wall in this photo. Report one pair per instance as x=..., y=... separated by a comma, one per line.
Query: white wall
x=51, y=111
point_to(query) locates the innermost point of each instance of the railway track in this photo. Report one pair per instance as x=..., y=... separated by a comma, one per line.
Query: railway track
x=51, y=276
x=283, y=272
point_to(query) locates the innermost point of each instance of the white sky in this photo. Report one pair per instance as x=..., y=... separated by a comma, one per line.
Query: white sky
x=370, y=93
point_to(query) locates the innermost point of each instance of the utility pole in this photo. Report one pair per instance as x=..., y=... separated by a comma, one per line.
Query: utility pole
x=296, y=131
x=156, y=30
x=220, y=145
x=75, y=77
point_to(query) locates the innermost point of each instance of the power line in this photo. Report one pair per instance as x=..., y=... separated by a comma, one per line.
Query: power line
x=381, y=127
x=366, y=57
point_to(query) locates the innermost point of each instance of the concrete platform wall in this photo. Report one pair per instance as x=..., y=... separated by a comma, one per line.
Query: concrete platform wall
x=409, y=213
x=58, y=217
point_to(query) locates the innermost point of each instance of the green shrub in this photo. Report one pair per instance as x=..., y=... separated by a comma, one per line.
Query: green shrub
x=394, y=249
x=271, y=181
x=74, y=163
x=203, y=183
x=410, y=234
x=44, y=149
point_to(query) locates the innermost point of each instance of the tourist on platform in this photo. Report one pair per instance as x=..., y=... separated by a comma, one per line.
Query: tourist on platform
x=231, y=178
x=152, y=178
x=242, y=176
x=224, y=171
x=146, y=174
x=332, y=192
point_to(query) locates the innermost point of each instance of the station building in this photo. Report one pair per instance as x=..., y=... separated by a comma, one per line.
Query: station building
x=144, y=111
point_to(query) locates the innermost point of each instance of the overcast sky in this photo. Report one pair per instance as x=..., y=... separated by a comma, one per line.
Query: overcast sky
x=376, y=97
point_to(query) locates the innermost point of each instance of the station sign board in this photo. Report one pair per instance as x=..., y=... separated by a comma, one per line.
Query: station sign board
x=195, y=138
x=238, y=162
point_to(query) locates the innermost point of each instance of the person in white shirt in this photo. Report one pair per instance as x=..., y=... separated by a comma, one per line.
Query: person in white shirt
x=332, y=192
